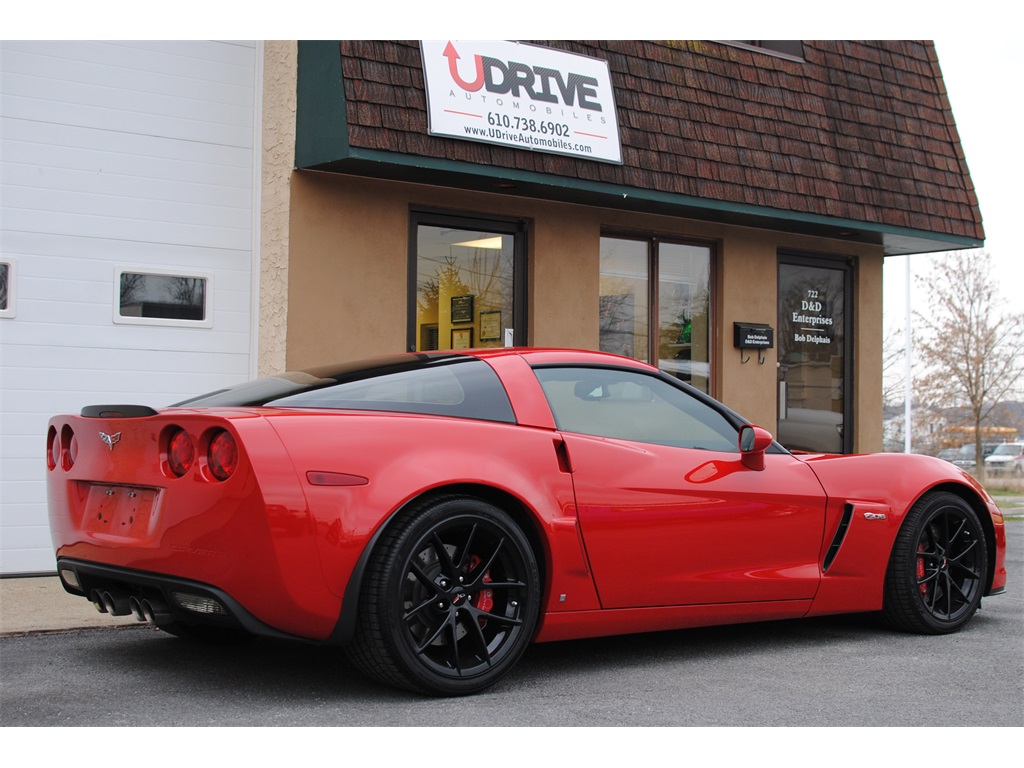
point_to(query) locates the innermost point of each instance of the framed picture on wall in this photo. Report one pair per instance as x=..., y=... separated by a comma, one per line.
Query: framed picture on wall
x=490, y=326
x=462, y=309
x=462, y=338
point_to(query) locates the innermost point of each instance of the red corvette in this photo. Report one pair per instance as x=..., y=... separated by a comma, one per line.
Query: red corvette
x=435, y=513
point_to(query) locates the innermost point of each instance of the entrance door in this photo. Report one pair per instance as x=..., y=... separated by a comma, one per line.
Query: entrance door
x=467, y=286
x=814, y=355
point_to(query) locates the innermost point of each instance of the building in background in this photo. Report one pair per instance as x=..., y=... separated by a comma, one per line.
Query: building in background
x=129, y=239
x=177, y=215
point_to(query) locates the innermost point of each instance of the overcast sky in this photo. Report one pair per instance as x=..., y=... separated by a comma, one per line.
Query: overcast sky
x=988, y=118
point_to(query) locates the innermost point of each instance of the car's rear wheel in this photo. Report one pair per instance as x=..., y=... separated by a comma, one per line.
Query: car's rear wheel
x=450, y=599
x=937, y=569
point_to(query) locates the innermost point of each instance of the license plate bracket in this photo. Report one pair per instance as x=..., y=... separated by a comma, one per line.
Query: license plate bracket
x=120, y=510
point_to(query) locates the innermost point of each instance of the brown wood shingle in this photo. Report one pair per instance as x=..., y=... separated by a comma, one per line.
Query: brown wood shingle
x=859, y=130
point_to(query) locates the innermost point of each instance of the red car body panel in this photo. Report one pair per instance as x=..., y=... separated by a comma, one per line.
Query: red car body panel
x=719, y=534
x=405, y=456
x=630, y=537
x=888, y=485
x=251, y=539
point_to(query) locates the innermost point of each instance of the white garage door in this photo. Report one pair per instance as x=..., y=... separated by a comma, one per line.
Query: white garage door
x=127, y=241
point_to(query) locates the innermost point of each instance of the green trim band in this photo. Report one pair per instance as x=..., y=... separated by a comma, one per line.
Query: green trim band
x=668, y=199
x=321, y=125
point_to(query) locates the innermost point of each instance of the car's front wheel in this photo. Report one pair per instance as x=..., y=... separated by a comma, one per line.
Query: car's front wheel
x=938, y=566
x=450, y=599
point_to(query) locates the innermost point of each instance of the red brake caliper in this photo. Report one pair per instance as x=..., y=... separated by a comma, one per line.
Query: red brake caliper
x=484, y=599
x=920, y=570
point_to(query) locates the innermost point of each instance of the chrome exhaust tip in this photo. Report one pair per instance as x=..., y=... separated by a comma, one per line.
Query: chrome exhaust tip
x=115, y=604
x=156, y=612
x=136, y=608
x=97, y=601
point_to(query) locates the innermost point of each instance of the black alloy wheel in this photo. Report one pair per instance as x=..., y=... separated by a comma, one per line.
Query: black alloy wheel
x=938, y=567
x=450, y=601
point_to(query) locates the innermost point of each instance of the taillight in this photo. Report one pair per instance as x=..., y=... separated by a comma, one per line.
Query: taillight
x=52, y=448
x=63, y=450
x=72, y=448
x=181, y=452
x=222, y=458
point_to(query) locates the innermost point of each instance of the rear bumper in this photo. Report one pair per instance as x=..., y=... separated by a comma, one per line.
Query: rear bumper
x=162, y=599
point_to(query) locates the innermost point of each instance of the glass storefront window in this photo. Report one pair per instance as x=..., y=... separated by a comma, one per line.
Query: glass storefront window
x=813, y=375
x=683, y=303
x=679, y=294
x=624, y=298
x=464, y=287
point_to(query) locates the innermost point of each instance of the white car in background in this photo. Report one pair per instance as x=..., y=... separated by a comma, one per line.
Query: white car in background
x=1006, y=459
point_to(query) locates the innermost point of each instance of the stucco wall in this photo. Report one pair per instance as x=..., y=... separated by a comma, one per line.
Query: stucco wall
x=280, y=65
x=347, y=276
x=348, y=271
x=868, y=354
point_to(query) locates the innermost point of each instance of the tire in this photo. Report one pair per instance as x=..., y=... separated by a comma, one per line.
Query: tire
x=937, y=570
x=450, y=599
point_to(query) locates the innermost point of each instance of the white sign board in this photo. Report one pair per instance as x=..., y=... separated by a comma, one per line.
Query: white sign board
x=522, y=96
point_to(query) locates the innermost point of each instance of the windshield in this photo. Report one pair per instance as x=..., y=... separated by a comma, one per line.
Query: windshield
x=1007, y=449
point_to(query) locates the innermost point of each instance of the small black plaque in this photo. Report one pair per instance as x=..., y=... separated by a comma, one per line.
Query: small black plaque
x=753, y=336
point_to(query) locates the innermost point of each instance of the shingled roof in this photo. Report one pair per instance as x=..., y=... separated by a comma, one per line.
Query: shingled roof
x=860, y=132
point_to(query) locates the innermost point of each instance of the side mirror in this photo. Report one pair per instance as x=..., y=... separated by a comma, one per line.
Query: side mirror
x=754, y=441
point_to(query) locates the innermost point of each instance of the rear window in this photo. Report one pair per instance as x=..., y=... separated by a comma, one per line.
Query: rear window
x=442, y=385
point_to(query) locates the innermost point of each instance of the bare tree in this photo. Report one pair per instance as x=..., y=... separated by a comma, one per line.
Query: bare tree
x=894, y=355
x=187, y=291
x=132, y=284
x=971, y=349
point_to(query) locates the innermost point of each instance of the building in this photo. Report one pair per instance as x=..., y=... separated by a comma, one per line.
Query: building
x=129, y=234
x=721, y=209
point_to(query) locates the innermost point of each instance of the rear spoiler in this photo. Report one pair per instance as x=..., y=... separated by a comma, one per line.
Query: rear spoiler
x=117, y=411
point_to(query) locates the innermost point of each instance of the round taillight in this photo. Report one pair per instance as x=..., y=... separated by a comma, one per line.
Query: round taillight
x=181, y=452
x=223, y=456
x=68, y=447
x=52, y=448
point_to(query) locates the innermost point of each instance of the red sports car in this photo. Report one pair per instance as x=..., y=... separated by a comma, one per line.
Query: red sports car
x=435, y=513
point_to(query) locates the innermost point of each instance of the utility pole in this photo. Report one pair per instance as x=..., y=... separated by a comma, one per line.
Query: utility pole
x=908, y=385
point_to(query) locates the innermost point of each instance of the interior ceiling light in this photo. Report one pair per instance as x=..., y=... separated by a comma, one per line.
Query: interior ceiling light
x=494, y=243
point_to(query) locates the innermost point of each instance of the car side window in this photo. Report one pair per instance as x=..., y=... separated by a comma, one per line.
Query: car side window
x=463, y=387
x=632, y=405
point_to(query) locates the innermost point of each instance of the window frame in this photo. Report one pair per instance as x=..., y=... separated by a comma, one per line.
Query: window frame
x=653, y=243
x=847, y=266
x=12, y=273
x=734, y=420
x=518, y=228
x=775, y=48
x=208, y=292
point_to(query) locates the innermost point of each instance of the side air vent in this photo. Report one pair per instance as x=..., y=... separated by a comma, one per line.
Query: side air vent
x=837, y=540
